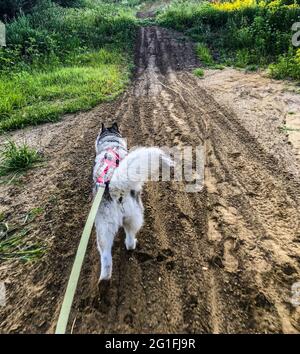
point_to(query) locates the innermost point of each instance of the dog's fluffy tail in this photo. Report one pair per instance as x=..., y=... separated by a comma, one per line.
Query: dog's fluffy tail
x=136, y=168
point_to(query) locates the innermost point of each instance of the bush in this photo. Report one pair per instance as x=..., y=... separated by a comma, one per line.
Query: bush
x=198, y=72
x=51, y=34
x=60, y=60
x=242, y=32
x=12, y=8
x=288, y=66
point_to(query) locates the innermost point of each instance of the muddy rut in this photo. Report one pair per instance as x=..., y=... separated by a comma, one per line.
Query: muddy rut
x=223, y=259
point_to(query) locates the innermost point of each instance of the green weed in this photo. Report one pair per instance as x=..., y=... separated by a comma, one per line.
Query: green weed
x=286, y=129
x=17, y=246
x=198, y=72
x=32, y=215
x=16, y=158
x=204, y=54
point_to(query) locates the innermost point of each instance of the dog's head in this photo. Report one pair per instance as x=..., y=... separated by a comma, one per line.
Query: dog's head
x=113, y=130
x=109, y=134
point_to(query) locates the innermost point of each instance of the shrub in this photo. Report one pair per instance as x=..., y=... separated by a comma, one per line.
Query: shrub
x=11, y=8
x=242, y=32
x=242, y=58
x=51, y=34
x=288, y=66
x=198, y=72
x=61, y=60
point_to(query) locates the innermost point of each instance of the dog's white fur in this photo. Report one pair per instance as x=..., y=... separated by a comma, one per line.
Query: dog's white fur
x=126, y=185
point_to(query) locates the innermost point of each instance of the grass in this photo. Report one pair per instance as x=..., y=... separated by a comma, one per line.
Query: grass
x=33, y=214
x=30, y=98
x=63, y=60
x=198, y=72
x=17, y=158
x=15, y=242
x=286, y=129
x=17, y=246
x=241, y=33
x=204, y=54
x=252, y=68
x=217, y=66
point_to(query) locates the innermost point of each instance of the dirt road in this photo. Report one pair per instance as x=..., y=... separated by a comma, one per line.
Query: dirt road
x=220, y=260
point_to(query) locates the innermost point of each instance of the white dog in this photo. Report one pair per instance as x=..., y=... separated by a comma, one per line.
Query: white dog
x=122, y=175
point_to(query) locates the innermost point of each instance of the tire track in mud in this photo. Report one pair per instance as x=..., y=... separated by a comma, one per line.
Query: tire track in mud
x=220, y=260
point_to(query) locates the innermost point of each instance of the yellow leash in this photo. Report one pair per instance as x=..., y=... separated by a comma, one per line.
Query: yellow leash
x=75, y=273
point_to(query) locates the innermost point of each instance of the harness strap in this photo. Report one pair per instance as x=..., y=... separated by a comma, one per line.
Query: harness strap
x=109, y=164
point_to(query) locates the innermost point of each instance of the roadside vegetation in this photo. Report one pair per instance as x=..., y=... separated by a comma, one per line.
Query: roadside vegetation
x=16, y=245
x=15, y=241
x=198, y=72
x=63, y=59
x=17, y=159
x=242, y=33
x=63, y=56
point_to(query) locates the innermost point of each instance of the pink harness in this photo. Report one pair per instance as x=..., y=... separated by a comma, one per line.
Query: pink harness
x=106, y=166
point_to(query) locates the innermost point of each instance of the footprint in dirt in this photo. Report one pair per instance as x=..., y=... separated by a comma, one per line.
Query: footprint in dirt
x=102, y=300
x=144, y=257
x=164, y=257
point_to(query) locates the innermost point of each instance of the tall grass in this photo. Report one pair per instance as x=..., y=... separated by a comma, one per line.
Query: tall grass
x=61, y=60
x=18, y=247
x=29, y=98
x=241, y=32
x=204, y=54
x=52, y=34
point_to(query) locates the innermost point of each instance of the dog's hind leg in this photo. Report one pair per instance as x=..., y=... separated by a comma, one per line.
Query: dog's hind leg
x=132, y=225
x=105, y=238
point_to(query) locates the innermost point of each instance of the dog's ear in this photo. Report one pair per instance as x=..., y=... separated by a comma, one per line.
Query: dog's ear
x=115, y=127
x=102, y=127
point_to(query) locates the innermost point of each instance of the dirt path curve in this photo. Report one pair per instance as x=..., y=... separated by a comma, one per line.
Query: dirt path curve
x=220, y=260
